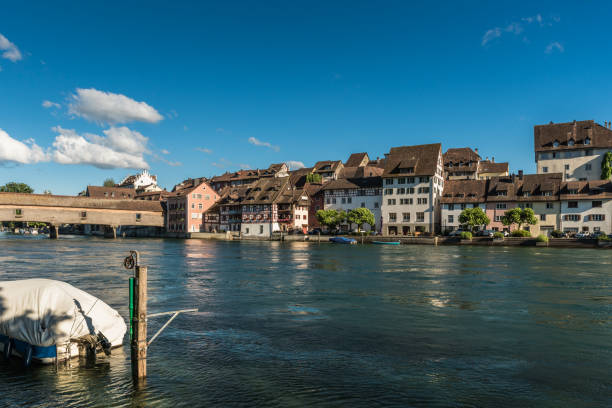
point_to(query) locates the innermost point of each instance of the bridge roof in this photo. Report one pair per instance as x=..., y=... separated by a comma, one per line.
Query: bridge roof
x=48, y=200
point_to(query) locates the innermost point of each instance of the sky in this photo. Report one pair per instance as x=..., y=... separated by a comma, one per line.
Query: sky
x=92, y=90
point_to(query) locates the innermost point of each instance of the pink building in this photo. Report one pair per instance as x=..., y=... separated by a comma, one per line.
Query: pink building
x=187, y=205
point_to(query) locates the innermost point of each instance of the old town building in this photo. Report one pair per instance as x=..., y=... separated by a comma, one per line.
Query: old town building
x=466, y=164
x=187, y=204
x=574, y=149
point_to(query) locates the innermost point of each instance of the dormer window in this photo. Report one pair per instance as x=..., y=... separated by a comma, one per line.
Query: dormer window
x=502, y=193
x=587, y=141
x=572, y=191
x=556, y=143
x=547, y=193
x=570, y=142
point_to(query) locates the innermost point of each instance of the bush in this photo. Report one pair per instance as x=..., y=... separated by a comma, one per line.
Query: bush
x=466, y=235
x=542, y=238
x=498, y=235
x=604, y=238
x=521, y=233
x=557, y=234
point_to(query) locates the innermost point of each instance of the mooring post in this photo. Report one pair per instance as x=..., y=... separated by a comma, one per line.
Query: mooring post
x=139, y=324
x=53, y=231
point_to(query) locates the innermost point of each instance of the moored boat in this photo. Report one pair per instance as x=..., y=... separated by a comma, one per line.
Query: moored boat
x=49, y=321
x=342, y=240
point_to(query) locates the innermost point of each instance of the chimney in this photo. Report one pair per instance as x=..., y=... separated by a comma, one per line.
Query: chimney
x=520, y=174
x=476, y=150
x=492, y=159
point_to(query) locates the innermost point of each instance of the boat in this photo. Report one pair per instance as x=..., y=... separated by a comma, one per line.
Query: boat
x=48, y=321
x=342, y=240
x=386, y=242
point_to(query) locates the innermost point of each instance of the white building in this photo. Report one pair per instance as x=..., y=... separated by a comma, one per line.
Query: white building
x=413, y=181
x=143, y=182
x=575, y=149
x=459, y=195
x=348, y=194
x=586, y=206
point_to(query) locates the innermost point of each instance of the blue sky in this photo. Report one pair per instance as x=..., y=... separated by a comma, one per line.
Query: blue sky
x=195, y=89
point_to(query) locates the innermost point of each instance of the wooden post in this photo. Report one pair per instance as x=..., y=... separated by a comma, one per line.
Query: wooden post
x=53, y=231
x=139, y=322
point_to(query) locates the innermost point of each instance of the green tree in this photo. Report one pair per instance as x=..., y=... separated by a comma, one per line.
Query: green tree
x=361, y=216
x=606, y=166
x=313, y=178
x=473, y=217
x=330, y=218
x=109, y=182
x=519, y=217
x=16, y=188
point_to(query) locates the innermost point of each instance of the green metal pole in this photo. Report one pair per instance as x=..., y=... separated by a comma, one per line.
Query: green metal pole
x=131, y=283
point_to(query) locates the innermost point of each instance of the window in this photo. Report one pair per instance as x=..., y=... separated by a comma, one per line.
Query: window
x=388, y=191
x=392, y=217
x=501, y=206
x=555, y=144
x=451, y=219
x=588, y=167
x=410, y=179
x=192, y=206
x=572, y=217
x=463, y=206
x=297, y=216
x=424, y=179
x=420, y=217
x=193, y=195
x=406, y=201
x=586, y=142
x=572, y=204
x=200, y=206
x=547, y=193
x=333, y=201
x=304, y=217
x=597, y=217
x=391, y=201
x=406, y=217
x=401, y=180
x=138, y=216
x=526, y=205
x=567, y=167
x=388, y=181
x=596, y=204
x=542, y=217
x=362, y=205
x=498, y=218
x=349, y=200
x=401, y=191
x=502, y=193
x=261, y=229
x=423, y=190
x=410, y=190
x=451, y=207
x=343, y=200
x=83, y=214
x=422, y=200
x=200, y=196
x=375, y=205
x=18, y=212
x=544, y=169
x=246, y=230
x=570, y=142
x=550, y=205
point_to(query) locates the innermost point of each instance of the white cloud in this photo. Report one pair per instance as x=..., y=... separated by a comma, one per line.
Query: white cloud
x=516, y=28
x=294, y=165
x=49, y=104
x=11, y=52
x=72, y=148
x=164, y=151
x=107, y=107
x=550, y=48
x=204, y=150
x=14, y=151
x=257, y=142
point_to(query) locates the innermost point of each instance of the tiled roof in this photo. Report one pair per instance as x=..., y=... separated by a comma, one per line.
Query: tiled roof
x=326, y=166
x=364, y=171
x=460, y=155
x=589, y=190
x=356, y=159
x=423, y=159
x=119, y=193
x=464, y=191
x=564, y=134
x=354, y=183
x=486, y=166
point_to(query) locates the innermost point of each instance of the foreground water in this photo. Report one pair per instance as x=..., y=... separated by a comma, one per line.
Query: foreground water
x=298, y=324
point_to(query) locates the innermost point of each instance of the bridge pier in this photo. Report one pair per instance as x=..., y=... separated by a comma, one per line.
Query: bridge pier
x=110, y=231
x=53, y=231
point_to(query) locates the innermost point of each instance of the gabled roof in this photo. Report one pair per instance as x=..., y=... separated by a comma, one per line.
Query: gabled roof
x=326, y=166
x=354, y=183
x=576, y=132
x=486, y=166
x=364, y=171
x=119, y=193
x=357, y=159
x=460, y=155
x=590, y=190
x=423, y=159
x=464, y=191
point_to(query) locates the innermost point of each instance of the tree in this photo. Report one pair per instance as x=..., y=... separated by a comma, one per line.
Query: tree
x=313, y=178
x=330, y=218
x=109, y=182
x=606, y=166
x=361, y=216
x=519, y=216
x=16, y=188
x=473, y=217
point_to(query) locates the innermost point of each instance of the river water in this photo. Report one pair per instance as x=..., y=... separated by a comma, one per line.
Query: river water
x=299, y=324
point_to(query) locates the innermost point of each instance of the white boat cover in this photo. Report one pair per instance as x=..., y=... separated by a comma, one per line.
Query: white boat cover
x=44, y=312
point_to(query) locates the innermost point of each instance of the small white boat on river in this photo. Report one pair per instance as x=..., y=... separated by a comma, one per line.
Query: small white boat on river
x=49, y=321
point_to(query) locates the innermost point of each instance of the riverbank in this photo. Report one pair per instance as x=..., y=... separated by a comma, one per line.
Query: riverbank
x=480, y=241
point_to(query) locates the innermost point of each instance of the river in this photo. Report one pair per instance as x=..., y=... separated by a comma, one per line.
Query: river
x=302, y=324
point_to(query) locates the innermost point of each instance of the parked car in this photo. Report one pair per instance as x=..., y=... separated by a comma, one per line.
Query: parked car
x=485, y=233
x=315, y=231
x=582, y=235
x=456, y=233
x=597, y=234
